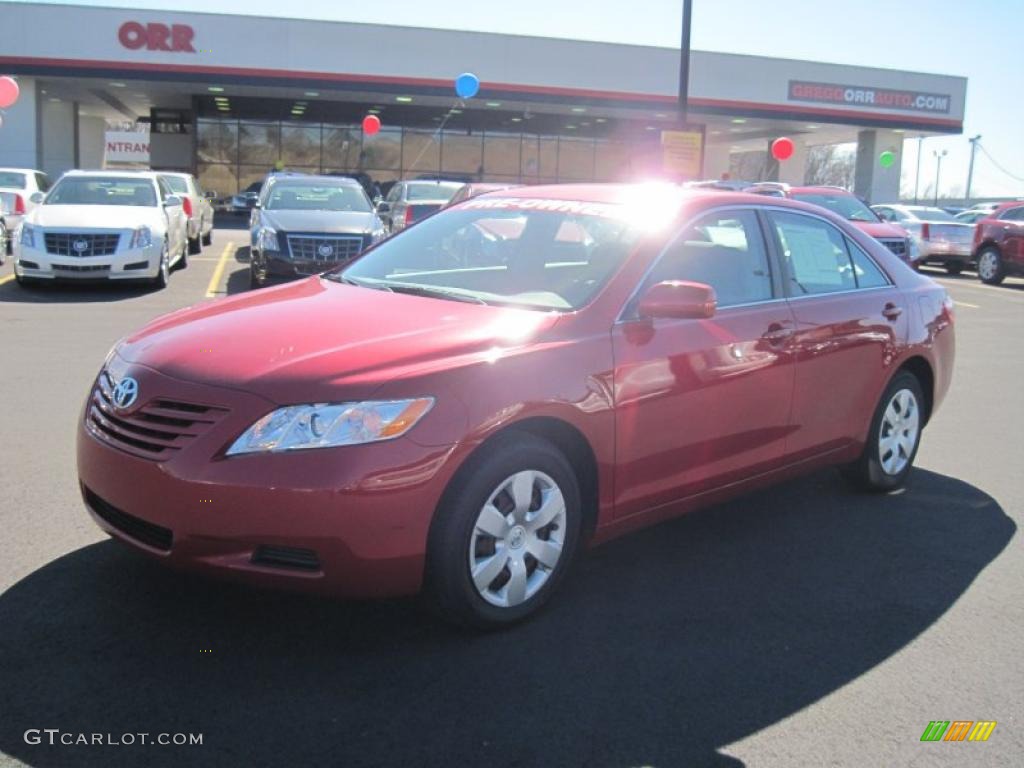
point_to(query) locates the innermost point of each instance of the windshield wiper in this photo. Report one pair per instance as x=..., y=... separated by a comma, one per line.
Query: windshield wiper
x=426, y=290
x=337, y=277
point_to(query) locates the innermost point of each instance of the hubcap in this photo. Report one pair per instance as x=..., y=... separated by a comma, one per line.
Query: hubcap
x=517, y=539
x=898, y=435
x=987, y=265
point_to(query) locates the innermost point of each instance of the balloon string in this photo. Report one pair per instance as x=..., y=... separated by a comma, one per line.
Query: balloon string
x=458, y=103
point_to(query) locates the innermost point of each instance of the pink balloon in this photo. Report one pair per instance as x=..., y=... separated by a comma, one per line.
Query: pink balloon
x=782, y=148
x=371, y=125
x=8, y=91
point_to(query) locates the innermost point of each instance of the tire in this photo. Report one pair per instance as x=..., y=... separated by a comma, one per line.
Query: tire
x=254, y=279
x=5, y=243
x=954, y=267
x=482, y=492
x=898, y=412
x=163, y=274
x=208, y=237
x=195, y=245
x=991, y=269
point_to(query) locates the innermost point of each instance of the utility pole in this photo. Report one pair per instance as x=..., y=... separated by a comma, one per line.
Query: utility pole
x=684, y=60
x=938, y=170
x=970, y=168
x=917, y=178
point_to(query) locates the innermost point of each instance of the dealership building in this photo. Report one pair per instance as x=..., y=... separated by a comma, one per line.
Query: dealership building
x=231, y=97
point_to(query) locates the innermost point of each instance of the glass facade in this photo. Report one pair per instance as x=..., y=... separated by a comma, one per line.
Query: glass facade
x=232, y=154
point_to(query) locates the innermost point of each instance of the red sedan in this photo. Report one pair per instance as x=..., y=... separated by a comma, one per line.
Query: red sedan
x=619, y=355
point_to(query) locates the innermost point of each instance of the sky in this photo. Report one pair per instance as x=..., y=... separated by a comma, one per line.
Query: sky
x=979, y=40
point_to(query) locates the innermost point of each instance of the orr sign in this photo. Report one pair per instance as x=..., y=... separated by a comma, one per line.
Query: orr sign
x=858, y=95
x=154, y=36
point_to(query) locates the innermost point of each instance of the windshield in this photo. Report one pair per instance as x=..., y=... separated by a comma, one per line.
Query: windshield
x=83, y=190
x=293, y=196
x=253, y=188
x=178, y=184
x=847, y=206
x=504, y=251
x=931, y=214
x=430, y=191
x=12, y=180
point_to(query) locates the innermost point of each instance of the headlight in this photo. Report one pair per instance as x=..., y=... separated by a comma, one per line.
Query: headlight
x=266, y=240
x=141, y=238
x=28, y=235
x=326, y=425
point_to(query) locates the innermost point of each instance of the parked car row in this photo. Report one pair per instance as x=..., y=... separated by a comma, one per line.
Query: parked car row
x=103, y=225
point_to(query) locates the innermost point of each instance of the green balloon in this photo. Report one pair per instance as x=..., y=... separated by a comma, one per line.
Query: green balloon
x=886, y=159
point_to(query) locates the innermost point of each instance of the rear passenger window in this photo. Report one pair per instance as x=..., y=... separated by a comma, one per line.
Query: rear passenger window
x=866, y=274
x=814, y=253
x=723, y=250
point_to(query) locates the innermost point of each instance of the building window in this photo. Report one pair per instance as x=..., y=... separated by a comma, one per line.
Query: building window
x=462, y=154
x=259, y=143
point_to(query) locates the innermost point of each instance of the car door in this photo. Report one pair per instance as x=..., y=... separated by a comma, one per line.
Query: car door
x=176, y=222
x=1011, y=222
x=702, y=403
x=850, y=320
x=392, y=200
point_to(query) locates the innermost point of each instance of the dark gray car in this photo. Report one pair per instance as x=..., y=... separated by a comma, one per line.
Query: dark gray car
x=304, y=225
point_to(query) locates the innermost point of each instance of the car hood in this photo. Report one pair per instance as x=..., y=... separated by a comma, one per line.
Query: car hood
x=879, y=229
x=95, y=216
x=320, y=221
x=315, y=340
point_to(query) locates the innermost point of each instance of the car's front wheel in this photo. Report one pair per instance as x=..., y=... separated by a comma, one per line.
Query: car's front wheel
x=505, y=533
x=163, y=273
x=893, y=439
x=990, y=266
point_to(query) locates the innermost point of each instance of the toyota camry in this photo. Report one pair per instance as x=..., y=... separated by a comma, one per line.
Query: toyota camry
x=439, y=419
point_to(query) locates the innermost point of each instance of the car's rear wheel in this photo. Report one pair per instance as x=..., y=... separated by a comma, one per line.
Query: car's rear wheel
x=195, y=245
x=991, y=269
x=505, y=533
x=893, y=439
x=208, y=237
x=5, y=242
x=954, y=267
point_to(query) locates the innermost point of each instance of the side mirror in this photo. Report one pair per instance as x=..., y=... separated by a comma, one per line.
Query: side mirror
x=172, y=201
x=383, y=207
x=36, y=197
x=256, y=204
x=678, y=299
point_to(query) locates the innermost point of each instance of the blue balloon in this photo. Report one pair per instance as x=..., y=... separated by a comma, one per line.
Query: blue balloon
x=467, y=85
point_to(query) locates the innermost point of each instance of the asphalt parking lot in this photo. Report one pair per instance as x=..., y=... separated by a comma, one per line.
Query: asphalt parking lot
x=805, y=626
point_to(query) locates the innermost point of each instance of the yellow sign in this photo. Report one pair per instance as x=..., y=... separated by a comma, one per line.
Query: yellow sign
x=682, y=153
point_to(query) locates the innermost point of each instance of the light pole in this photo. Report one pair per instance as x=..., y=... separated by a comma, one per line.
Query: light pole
x=970, y=168
x=917, y=177
x=938, y=170
x=684, y=60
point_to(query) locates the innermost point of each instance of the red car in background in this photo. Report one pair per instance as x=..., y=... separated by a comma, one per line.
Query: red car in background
x=850, y=207
x=999, y=243
x=409, y=423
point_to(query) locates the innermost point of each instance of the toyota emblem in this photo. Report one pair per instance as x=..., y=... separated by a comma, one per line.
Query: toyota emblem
x=125, y=392
x=325, y=250
x=81, y=246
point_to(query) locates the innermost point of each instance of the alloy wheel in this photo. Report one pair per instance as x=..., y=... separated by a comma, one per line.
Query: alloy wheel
x=518, y=539
x=897, y=437
x=988, y=265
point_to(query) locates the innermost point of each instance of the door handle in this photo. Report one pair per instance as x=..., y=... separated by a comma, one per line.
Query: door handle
x=891, y=312
x=777, y=334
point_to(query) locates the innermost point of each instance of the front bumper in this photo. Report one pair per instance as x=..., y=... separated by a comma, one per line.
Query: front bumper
x=361, y=513
x=124, y=264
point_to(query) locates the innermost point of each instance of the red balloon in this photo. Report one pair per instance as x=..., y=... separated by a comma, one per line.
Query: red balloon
x=782, y=148
x=371, y=124
x=8, y=91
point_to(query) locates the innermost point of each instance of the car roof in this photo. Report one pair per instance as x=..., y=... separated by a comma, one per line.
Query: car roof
x=821, y=189
x=116, y=174
x=307, y=177
x=435, y=182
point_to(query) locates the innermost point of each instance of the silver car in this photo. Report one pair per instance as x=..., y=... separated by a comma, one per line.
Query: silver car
x=197, y=206
x=941, y=238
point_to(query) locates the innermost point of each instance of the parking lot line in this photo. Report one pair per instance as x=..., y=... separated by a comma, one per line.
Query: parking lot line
x=214, y=287
x=965, y=304
x=6, y=279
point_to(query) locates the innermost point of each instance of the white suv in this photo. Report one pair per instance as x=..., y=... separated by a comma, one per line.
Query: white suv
x=197, y=208
x=116, y=225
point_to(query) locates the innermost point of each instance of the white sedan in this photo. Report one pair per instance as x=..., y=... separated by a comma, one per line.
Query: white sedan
x=112, y=225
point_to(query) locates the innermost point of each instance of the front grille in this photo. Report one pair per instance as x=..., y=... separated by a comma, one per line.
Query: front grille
x=82, y=267
x=313, y=249
x=897, y=245
x=157, y=430
x=81, y=245
x=286, y=557
x=148, y=533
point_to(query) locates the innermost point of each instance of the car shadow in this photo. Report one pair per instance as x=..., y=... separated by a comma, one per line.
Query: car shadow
x=72, y=292
x=662, y=648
